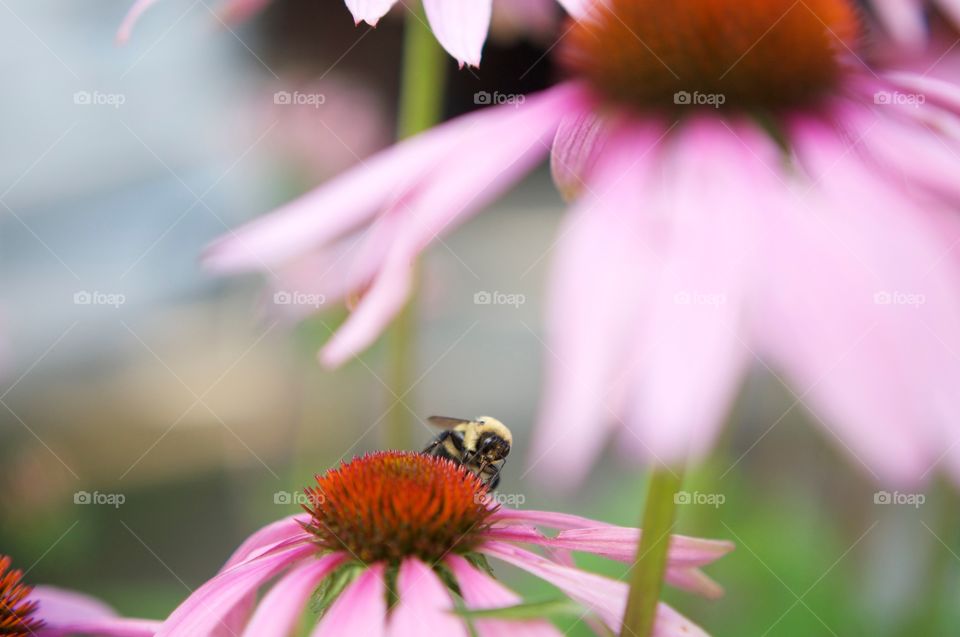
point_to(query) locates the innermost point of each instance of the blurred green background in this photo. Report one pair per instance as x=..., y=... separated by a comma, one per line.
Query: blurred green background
x=200, y=408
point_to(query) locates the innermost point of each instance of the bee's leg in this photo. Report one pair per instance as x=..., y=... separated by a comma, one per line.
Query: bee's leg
x=494, y=480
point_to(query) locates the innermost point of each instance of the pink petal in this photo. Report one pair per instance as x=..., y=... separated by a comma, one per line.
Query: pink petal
x=424, y=606
x=905, y=21
x=480, y=591
x=942, y=93
x=204, y=610
x=877, y=373
x=580, y=139
x=619, y=543
x=606, y=597
x=577, y=8
x=700, y=222
x=460, y=26
x=361, y=609
x=598, y=252
x=267, y=538
x=70, y=613
x=369, y=11
x=465, y=182
x=130, y=20
x=281, y=608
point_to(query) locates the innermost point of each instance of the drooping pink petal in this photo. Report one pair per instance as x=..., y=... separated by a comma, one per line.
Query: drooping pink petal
x=460, y=26
x=460, y=186
x=130, y=20
x=580, y=139
x=203, y=611
x=904, y=20
x=596, y=258
x=605, y=597
x=480, y=591
x=876, y=374
x=424, y=606
x=700, y=224
x=369, y=11
x=67, y=612
x=361, y=609
x=277, y=614
x=619, y=543
x=266, y=538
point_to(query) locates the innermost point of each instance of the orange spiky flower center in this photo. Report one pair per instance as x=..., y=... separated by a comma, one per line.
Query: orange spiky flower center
x=17, y=612
x=674, y=55
x=389, y=505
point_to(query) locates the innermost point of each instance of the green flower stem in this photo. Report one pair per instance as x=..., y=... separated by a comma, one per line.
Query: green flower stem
x=421, y=106
x=646, y=576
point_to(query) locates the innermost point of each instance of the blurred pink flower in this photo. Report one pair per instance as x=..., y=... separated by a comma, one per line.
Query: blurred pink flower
x=907, y=21
x=392, y=519
x=44, y=611
x=802, y=219
x=461, y=26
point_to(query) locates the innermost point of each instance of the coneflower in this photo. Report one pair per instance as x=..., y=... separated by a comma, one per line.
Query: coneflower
x=393, y=542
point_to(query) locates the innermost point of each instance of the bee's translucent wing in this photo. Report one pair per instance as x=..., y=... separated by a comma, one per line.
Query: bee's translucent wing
x=446, y=423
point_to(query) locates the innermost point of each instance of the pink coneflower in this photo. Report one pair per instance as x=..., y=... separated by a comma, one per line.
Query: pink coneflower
x=745, y=188
x=908, y=20
x=461, y=26
x=398, y=532
x=45, y=611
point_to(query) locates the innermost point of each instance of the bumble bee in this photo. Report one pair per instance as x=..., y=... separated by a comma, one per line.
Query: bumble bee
x=480, y=445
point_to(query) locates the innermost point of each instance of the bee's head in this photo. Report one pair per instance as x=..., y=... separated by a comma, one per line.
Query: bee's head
x=492, y=447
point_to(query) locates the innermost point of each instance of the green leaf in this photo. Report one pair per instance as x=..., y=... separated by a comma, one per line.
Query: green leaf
x=562, y=607
x=479, y=561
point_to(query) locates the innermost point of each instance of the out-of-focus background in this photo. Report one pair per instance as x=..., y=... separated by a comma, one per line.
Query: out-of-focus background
x=153, y=416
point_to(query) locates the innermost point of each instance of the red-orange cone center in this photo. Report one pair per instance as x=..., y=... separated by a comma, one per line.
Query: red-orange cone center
x=671, y=55
x=390, y=505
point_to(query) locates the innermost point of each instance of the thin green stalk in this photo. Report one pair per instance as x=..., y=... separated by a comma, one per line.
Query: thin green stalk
x=646, y=576
x=421, y=106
